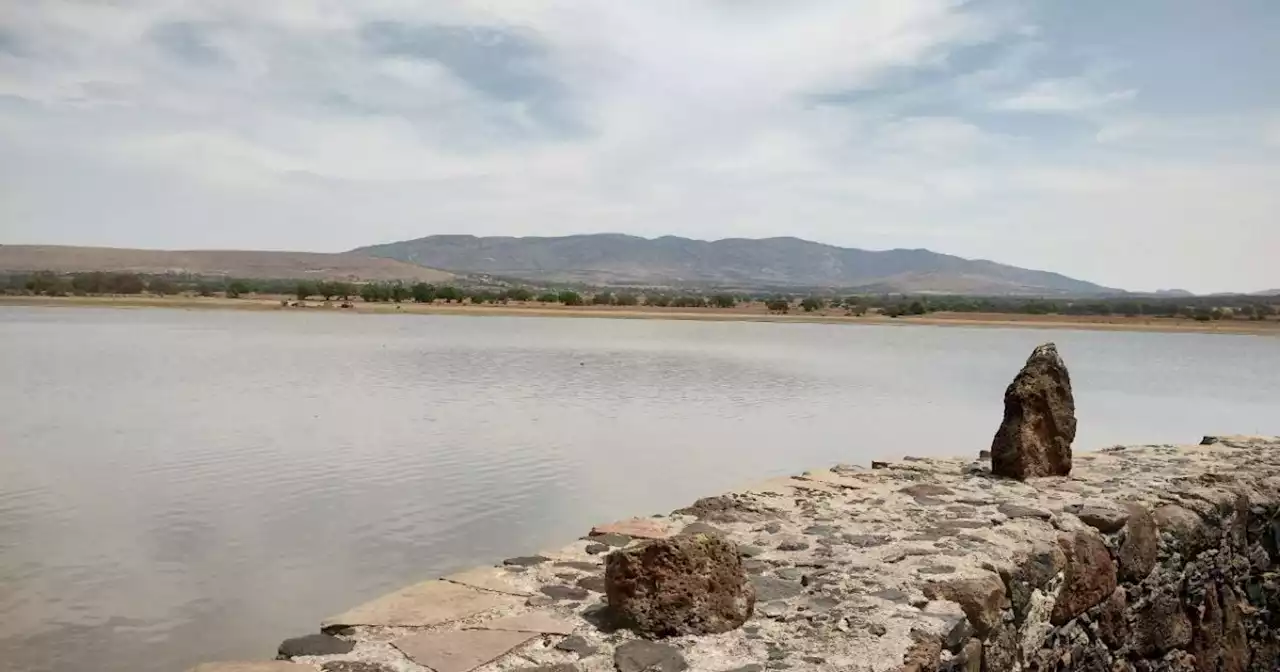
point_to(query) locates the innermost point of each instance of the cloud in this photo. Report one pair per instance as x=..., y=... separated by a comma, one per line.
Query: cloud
x=979, y=128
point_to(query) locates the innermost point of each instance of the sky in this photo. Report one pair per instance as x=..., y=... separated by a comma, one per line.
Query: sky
x=1135, y=144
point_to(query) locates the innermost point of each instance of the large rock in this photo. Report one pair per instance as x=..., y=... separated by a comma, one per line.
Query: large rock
x=1089, y=578
x=684, y=585
x=981, y=599
x=1039, y=420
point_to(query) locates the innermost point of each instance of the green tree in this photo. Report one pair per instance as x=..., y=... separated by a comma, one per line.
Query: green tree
x=304, y=289
x=518, y=294
x=89, y=283
x=626, y=300
x=778, y=305
x=161, y=285
x=237, y=288
x=812, y=303
x=449, y=294
x=423, y=292
x=570, y=298
x=126, y=283
x=724, y=301
x=602, y=299
x=398, y=292
x=658, y=300
x=549, y=297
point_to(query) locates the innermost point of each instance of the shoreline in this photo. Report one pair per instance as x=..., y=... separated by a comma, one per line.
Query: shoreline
x=742, y=314
x=912, y=565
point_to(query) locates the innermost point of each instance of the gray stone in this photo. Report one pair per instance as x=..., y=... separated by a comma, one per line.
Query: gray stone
x=701, y=528
x=892, y=595
x=459, y=650
x=314, y=645
x=539, y=622
x=773, y=609
x=770, y=588
x=1139, y=544
x=793, y=545
x=612, y=539
x=559, y=592
x=597, y=549
x=773, y=528
x=264, y=666
x=525, y=561
x=578, y=645
x=753, y=667
x=1103, y=519
x=937, y=569
x=557, y=667
x=680, y=586
x=1039, y=422
x=789, y=573
x=644, y=656
x=926, y=490
x=750, y=551
x=580, y=565
x=354, y=666
x=1020, y=511
x=594, y=583
x=539, y=601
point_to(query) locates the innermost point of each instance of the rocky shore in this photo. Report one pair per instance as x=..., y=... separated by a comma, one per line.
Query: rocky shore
x=1129, y=559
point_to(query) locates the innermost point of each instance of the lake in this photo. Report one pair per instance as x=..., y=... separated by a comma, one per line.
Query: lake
x=181, y=486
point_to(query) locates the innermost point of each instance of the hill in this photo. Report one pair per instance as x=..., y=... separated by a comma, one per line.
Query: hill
x=615, y=259
x=230, y=263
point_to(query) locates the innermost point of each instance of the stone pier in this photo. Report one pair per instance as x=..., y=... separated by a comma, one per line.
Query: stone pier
x=1144, y=558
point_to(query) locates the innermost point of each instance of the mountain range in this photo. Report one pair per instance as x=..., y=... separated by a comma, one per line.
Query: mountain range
x=228, y=263
x=617, y=259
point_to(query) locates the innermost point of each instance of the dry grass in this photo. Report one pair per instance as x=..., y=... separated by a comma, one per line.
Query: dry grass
x=743, y=313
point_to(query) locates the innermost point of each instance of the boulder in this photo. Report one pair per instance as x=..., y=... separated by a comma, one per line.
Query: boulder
x=1089, y=577
x=642, y=656
x=313, y=645
x=1039, y=420
x=683, y=585
x=981, y=599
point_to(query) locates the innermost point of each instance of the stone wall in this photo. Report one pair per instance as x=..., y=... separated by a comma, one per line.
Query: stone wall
x=1146, y=558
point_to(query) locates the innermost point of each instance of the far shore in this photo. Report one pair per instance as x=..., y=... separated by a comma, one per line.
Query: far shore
x=742, y=313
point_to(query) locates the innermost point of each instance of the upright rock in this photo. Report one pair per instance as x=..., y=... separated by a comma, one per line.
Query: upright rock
x=685, y=585
x=1039, y=420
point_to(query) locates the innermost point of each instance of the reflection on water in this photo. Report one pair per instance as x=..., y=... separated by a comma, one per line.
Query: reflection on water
x=184, y=486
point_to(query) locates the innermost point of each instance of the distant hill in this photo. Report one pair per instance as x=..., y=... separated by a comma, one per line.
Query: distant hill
x=615, y=259
x=230, y=263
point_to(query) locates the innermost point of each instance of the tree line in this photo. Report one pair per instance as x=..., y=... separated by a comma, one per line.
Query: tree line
x=892, y=305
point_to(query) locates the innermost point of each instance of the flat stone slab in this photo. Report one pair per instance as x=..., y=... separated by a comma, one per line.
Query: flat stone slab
x=460, y=650
x=487, y=578
x=535, y=621
x=426, y=603
x=260, y=666
x=639, y=528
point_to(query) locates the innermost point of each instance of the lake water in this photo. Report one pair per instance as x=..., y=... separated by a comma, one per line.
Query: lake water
x=184, y=486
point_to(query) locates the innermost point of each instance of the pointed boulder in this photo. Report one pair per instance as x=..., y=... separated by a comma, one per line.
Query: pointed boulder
x=1039, y=420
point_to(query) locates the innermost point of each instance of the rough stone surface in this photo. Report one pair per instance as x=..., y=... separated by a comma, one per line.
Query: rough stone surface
x=638, y=528
x=1105, y=519
x=1090, y=575
x=460, y=650
x=1196, y=588
x=426, y=603
x=1039, y=423
x=269, y=666
x=680, y=586
x=642, y=656
x=354, y=666
x=982, y=599
x=313, y=645
x=1139, y=545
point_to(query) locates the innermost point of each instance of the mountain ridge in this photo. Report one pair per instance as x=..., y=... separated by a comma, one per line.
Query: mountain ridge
x=782, y=261
x=229, y=263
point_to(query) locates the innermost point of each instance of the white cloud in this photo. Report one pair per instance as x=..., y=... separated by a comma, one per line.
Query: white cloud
x=250, y=124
